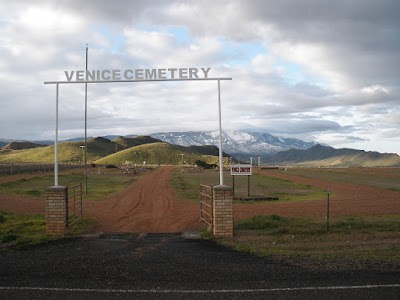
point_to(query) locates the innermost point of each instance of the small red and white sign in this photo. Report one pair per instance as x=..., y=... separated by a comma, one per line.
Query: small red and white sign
x=241, y=169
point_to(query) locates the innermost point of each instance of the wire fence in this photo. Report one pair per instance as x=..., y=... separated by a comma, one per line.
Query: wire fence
x=20, y=168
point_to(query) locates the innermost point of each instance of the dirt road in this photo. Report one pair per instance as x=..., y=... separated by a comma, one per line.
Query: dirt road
x=148, y=205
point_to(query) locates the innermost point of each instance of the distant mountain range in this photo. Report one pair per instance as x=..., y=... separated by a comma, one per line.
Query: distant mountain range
x=135, y=150
x=321, y=156
x=237, y=144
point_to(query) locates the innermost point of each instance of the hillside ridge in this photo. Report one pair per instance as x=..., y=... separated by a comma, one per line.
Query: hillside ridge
x=320, y=155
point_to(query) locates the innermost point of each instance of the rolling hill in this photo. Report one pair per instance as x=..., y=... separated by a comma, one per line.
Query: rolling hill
x=156, y=153
x=138, y=149
x=128, y=142
x=21, y=145
x=101, y=150
x=319, y=155
x=68, y=152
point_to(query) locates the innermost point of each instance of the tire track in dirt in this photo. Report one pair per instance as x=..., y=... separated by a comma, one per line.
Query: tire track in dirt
x=147, y=205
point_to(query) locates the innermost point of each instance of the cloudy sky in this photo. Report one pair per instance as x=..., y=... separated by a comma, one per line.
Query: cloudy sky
x=324, y=71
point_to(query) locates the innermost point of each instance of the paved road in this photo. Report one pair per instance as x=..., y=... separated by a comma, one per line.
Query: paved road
x=170, y=266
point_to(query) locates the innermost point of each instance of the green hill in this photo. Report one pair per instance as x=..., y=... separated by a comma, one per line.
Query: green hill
x=100, y=150
x=128, y=142
x=327, y=156
x=22, y=145
x=67, y=152
x=156, y=153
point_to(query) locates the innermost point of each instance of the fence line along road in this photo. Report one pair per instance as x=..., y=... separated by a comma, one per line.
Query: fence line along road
x=18, y=168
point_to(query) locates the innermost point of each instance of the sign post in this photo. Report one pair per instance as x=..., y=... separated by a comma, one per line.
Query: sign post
x=240, y=170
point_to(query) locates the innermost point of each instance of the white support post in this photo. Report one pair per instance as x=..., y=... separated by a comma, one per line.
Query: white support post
x=56, y=143
x=86, y=117
x=221, y=165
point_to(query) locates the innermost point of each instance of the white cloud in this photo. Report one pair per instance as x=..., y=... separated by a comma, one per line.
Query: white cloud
x=321, y=69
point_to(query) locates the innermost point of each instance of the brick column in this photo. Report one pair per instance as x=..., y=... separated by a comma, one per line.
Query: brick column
x=56, y=210
x=223, y=211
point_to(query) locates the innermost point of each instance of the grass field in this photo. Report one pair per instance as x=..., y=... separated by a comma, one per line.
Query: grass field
x=22, y=230
x=353, y=238
x=187, y=186
x=100, y=185
x=387, y=178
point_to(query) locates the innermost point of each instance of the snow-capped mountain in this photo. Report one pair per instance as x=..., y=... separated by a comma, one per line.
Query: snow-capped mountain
x=239, y=144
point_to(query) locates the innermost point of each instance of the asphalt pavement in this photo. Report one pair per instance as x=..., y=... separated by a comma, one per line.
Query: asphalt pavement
x=174, y=266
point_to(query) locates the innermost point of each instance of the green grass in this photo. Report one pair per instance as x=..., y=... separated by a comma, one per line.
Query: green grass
x=387, y=178
x=23, y=230
x=356, y=238
x=187, y=186
x=99, y=186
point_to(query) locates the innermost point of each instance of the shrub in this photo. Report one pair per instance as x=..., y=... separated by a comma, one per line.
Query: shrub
x=203, y=164
x=111, y=167
x=2, y=217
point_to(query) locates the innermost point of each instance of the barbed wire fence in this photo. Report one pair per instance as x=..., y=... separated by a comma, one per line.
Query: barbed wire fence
x=20, y=168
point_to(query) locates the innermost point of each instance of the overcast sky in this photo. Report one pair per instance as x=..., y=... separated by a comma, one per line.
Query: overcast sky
x=324, y=71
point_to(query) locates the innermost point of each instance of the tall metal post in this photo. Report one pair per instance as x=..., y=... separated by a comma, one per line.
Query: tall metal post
x=85, y=159
x=221, y=165
x=56, y=143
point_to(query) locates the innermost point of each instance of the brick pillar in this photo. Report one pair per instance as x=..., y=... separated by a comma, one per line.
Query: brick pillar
x=56, y=210
x=223, y=211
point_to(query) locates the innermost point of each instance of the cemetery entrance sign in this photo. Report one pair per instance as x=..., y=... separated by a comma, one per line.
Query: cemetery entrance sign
x=138, y=75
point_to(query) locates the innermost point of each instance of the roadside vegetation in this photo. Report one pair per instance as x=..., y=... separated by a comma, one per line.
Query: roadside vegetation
x=351, y=238
x=18, y=231
x=187, y=185
x=100, y=185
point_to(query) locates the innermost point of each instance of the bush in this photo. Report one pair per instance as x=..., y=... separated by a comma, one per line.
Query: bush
x=111, y=167
x=203, y=164
x=9, y=237
x=2, y=217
